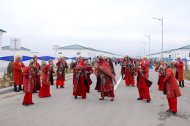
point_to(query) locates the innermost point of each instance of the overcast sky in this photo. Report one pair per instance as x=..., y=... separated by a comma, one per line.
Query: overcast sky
x=117, y=26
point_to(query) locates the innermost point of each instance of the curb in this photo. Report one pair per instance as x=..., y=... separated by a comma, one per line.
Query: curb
x=10, y=89
x=6, y=90
x=186, y=81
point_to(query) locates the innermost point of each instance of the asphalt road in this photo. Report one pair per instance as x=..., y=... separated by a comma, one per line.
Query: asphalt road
x=63, y=110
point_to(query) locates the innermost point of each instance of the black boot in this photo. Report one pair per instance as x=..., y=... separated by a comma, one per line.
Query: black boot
x=20, y=88
x=15, y=88
x=57, y=87
x=179, y=83
x=139, y=99
x=183, y=85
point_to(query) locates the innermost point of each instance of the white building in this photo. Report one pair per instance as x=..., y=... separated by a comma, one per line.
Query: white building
x=183, y=52
x=71, y=52
x=1, y=34
x=76, y=50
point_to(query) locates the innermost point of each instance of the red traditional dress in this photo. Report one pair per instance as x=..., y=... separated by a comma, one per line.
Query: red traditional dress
x=128, y=72
x=172, y=90
x=17, y=69
x=161, y=78
x=28, y=83
x=97, y=87
x=180, y=72
x=45, y=89
x=143, y=84
x=79, y=86
x=88, y=71
x=106, y=79
x=145, y=67
x=61, y=66
x=37, y=83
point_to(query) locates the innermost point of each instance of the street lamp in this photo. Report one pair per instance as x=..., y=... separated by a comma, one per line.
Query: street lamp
x=148, y=36
x=56, y=47
x=15, y=44
x=161, y=20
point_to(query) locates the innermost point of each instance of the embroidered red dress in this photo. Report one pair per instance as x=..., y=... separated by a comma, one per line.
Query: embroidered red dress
x=172, y=90
x=161, y=78
x=107, y=79
x=61, y=66
x=28, y=83
x=18, y=76
x=142, y=85
x=45, y=89
x=79, y=85
x=37, y=83
x=88, y=71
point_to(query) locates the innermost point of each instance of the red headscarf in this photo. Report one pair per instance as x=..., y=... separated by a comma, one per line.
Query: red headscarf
x=104, y=67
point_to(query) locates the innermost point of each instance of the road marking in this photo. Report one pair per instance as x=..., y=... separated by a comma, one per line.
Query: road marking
x=115, y=87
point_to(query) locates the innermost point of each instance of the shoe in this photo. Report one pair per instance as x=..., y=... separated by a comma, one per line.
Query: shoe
x=183, y=85
x=62, y=87
x=174, y=113
x=75, y=97
x=148, y=101
x=57, y=87
x=101, y=99
x=112, y=99
x=15, y=88
x=20, y=88
x=139, y=99
x=168, y=111
x=25, y=104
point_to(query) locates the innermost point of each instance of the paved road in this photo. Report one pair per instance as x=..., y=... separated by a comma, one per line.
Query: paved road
x=63, y=110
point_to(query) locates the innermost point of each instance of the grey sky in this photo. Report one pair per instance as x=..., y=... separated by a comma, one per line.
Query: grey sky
x=118, y=26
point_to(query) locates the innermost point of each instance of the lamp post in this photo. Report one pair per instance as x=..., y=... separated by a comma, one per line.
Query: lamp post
x=56, y=47
x=162, y=24
x=148, y=36
x=15, y=44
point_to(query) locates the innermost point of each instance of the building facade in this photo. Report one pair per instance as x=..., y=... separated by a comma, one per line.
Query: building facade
x=78, y=50
x=183, y=52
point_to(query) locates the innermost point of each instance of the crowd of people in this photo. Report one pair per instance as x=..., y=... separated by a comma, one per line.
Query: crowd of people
x=36, y=78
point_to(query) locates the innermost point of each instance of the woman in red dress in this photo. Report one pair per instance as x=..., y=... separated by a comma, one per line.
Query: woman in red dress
x=107, y=79
x=46, y=71
x=97, y=87
x=79, y=85
x=143, y=83
x=179, y=71
x=37, y=83
x=160, y=69
x=18, y=68
x=61, y=67
x=88, y=71
x=128, y=71
x=28, y=83
x=172, y=90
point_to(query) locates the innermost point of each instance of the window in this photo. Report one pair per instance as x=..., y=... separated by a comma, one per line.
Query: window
x=170, y=56
x=189, y=54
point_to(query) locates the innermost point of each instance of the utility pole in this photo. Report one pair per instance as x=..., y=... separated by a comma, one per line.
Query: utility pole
x=162, y=25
